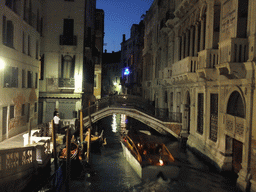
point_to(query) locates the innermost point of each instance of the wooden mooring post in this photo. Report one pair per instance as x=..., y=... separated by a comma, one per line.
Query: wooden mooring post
x=54, y=145
x=81, y=127
x=89, y=136
x=68, y=163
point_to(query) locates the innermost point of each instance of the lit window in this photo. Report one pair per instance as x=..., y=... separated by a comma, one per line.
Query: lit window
x=11, y=76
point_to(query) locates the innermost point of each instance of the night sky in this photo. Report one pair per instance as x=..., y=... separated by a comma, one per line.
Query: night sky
x=119, y=17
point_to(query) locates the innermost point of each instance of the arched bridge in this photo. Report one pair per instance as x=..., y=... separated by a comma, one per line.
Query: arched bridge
x=137, y=108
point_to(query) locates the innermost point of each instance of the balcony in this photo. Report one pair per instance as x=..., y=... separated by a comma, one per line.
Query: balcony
x=234, y=126
x=66, y=83
x=68, y=40
x=207, y=60
x=184, y=70
x=57, y=84
x=233, y=52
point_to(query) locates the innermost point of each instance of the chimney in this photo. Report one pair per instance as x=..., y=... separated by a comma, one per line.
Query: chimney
x=123, y=37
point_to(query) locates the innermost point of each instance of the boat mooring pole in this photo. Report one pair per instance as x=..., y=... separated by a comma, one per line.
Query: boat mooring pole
x=81, y=126
x=54, y=146
x=68, y=163
x=89, y=136
x=88, y=145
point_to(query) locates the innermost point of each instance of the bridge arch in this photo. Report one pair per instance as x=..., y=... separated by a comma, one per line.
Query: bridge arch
x=148, y=120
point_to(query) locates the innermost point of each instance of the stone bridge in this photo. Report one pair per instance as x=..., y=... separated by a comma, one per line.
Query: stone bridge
x=137, y=108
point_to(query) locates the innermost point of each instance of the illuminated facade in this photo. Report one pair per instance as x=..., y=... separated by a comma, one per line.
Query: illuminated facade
x=199, y=60
x=20, y=28
x=68, y=57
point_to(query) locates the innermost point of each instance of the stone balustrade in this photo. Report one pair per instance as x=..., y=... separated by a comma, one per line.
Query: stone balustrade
x=235, y=126
x=23, y=162
x=234, y=50
x=208, y=58
x=186, y=65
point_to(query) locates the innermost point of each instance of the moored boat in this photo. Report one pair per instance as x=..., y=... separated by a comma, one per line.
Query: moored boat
x=147, y=156
x=96, y=142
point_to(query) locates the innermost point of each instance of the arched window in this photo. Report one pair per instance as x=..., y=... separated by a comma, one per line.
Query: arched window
x=67, y=69
x=235, y=105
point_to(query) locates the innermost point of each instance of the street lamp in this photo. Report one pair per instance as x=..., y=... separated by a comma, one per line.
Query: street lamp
x=2, y=64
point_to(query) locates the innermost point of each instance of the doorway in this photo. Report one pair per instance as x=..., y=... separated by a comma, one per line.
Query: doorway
x=237, y=155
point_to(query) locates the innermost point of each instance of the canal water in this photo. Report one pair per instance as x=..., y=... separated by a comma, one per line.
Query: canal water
x=111, y=172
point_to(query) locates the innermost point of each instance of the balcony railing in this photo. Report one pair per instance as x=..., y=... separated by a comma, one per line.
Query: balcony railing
x=166, y=116
x=20, y=162
x=135, y=102
x=68, y=40
x=187, y=65
x=234, y=50
x=208, y=58
x=235, y=126
x=66, y=83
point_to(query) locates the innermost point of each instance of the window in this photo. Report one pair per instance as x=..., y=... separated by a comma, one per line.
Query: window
x=23, y=78
x=35, y=108
x=29, y=46
x=165, y=96
x=27, y=15
x=36, y=80
x=37, y=49
x=41, y=68
x=23, y=110
x=23, y=43
x=67, y=69
x=30, y=78
x=200, y=113
x=11, y=111
x=4, y=120
x=95, y=81
x=11, y=76
x=7, y=32
x=214, y=117
x=13, y=4
x=68, y=37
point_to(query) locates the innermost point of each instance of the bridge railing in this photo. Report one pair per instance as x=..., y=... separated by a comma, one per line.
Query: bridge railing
x=135, y=102
x=166, y=116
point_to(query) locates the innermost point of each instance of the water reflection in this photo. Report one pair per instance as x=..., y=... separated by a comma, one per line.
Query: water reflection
x=114, y=125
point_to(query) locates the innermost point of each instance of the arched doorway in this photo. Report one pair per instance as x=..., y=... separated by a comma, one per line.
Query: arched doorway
x=236, y=108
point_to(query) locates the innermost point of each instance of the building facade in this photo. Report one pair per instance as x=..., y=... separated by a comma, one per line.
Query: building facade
x=20, y=33
x=132, y=60
x=199, y=59
x=68, y=56
x=111, y=74
x=99, y=40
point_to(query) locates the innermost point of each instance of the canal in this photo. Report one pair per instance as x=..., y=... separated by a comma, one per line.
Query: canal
x=111, y=172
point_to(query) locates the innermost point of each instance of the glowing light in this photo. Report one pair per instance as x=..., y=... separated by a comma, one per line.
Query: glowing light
x=2, y=64
x=126, y=71
x=114, y=124
x=161, y=162
x=115, y=83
